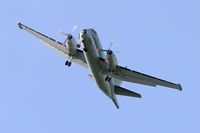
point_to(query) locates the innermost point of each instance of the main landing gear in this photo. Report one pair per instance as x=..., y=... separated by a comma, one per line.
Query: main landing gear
x=68, y=63
x=108, y=78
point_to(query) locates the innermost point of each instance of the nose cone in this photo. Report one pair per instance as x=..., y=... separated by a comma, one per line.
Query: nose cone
x=84, y=31
x=82, y=34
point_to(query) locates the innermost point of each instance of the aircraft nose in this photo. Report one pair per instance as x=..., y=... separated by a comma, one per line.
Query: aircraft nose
x=84, y=31
x=82, y=34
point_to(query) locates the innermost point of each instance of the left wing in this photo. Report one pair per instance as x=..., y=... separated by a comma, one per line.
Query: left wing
x=126, y=74
x=56, y=45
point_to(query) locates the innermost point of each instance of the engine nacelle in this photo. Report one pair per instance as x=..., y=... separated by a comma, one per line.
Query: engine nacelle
x=71, y=45
x=111, y=60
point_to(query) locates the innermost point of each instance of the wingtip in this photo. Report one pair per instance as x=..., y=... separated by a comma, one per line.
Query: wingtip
x=19, y=25
x=179, y=87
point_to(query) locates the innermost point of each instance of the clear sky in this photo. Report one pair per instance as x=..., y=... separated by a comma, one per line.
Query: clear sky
x=39, y=94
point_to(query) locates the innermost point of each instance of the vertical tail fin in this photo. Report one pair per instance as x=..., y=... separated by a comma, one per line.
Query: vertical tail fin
x=116, y=103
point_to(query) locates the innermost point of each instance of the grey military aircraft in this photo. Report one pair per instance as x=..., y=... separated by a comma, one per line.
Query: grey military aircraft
x=102, y=63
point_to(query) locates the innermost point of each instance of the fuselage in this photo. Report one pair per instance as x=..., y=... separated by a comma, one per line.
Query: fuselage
x=92, y=57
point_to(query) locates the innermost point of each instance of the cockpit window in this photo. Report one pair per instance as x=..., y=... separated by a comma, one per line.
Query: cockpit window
x=94, y=31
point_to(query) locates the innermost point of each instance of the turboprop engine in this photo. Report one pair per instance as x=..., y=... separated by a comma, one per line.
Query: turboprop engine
x=71, y=44
x=111, y=60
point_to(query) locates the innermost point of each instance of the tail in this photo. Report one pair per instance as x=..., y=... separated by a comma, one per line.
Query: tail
x=116, y=103
x=124, y=92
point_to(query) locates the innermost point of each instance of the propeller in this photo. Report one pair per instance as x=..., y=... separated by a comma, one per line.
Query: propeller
x=109, y=51
x=67, y=34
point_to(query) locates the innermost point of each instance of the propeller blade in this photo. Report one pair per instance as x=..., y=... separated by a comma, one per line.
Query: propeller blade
x=103, y=50
x=74, y=28
x=111, y=43
x=62, y=32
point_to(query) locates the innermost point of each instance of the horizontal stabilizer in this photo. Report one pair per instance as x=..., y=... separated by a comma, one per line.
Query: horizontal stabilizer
x=125, y=92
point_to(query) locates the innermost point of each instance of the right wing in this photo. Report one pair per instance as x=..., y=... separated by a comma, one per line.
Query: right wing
x=122, y=74
x=56, y=45
x=126, y=74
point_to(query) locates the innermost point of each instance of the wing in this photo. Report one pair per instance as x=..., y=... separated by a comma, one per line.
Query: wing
x=128, y=75
x=122, y=75
x=56, y=45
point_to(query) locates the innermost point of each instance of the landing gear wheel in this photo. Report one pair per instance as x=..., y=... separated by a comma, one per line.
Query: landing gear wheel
x=106, y=79
x=78, y=45
x=69, y=64
x=109, y=79
x=85, y=50
x=66, y=63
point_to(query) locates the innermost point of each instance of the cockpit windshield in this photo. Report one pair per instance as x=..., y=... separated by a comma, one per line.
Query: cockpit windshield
x=94, y=31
